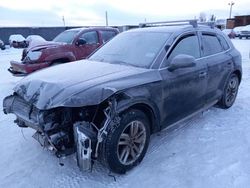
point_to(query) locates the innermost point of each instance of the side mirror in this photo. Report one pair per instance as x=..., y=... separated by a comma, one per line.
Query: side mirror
x=181, y=61
x=81, y=42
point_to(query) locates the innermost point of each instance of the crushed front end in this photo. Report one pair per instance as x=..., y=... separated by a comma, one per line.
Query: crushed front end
x=30, y=62
x=65, y=130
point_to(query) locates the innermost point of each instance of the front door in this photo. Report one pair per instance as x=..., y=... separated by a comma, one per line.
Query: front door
x=184, y=89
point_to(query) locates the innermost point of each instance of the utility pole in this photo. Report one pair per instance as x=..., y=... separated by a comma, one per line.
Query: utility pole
x=231, y=6
x=63, y=21
x=106, y=16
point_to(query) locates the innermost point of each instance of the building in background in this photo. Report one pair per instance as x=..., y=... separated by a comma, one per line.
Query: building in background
x=238, y=21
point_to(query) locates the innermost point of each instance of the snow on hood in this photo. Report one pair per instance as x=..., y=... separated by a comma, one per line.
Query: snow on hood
x=37, y=45
x=81, y=83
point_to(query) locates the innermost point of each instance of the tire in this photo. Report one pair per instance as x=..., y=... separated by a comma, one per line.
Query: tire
x=54, y=63
x=240, y=37
x=126, y=143
x=230, y=92
x=59, y=62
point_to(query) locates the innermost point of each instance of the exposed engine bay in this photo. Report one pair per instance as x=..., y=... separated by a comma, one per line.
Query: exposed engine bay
x=66, y=130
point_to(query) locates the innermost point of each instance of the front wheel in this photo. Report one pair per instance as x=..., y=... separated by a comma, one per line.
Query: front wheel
x=230, y=92
x=126, y=143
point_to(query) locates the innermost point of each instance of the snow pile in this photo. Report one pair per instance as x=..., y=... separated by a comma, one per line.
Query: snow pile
x=210, y=150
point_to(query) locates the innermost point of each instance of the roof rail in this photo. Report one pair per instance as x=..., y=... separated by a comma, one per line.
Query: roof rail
x=210, y=24
x=193, y=22
x=170, y=23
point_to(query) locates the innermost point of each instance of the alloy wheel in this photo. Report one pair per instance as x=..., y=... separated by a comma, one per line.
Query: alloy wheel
x=232, y=89
x=131, y=142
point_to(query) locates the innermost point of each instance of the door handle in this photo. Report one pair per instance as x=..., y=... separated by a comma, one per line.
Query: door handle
x=202, y=74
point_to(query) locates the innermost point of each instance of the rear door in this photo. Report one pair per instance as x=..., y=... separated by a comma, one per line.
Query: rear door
x=184, y=89
x=106, y=35
x=219, y=63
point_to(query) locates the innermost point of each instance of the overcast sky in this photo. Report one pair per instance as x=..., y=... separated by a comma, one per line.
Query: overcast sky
x=120, y=12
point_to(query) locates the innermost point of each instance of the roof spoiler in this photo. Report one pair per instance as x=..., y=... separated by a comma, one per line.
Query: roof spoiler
x=193, y=22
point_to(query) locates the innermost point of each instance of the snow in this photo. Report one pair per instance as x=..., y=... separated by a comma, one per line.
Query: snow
x=16, y=37
x=32, y=38
x=209, y=150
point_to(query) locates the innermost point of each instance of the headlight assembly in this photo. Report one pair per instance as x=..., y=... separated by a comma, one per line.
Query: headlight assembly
x=32, y=56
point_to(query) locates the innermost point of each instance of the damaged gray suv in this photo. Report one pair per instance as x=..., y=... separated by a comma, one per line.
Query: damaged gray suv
x=106, y=107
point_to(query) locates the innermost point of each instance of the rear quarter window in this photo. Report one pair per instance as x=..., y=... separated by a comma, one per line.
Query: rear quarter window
x=223, y=42
x=211, y=44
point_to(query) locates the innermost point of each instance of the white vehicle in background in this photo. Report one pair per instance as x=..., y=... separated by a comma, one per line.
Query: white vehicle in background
x=245, y=32
x=34, y=38
x=2, y=46
x=17, y=41
x=237, y=30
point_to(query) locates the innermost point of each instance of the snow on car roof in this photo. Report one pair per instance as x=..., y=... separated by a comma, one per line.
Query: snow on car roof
x=17, y=37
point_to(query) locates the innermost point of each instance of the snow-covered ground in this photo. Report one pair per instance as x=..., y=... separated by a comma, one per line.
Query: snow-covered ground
x=208, y=151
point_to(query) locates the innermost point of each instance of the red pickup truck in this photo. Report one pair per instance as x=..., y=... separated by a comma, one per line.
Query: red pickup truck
x=70, y=45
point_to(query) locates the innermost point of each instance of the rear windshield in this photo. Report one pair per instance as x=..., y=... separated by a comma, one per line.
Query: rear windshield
x=66, y=37
x=132, y=48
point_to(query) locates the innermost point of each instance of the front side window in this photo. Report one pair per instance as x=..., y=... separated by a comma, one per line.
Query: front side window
x=107, y=35
x=188, y=45
x=211, y=44
x=90, y=37
x=66, y=36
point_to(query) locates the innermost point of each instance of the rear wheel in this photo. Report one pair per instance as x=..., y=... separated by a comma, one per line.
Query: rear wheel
x=126, y=143
x=230, y=92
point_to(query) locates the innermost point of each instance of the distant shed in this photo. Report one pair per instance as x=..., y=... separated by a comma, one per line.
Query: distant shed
x=238, y=21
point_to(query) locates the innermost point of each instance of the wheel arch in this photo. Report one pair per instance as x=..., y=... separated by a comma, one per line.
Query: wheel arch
x=61, y=60
x=149, y=109
x=238, y=73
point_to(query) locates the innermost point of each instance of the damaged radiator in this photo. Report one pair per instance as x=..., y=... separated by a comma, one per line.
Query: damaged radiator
x=27, y=115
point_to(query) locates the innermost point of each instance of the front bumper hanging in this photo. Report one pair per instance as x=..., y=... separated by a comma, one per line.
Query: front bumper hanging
x=88, y=137
x=85, y=141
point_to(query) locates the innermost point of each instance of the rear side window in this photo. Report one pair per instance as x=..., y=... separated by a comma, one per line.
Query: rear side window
x=223, y=42
x=107, y=35
x=90, y=37
x=211, y=44
x=188, y=45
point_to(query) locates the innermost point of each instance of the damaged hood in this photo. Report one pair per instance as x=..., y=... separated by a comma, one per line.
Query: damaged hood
x=38, y=45
x=81, y=83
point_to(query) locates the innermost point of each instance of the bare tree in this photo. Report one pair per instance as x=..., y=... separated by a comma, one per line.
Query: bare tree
x=202, y=17
x=212, y=18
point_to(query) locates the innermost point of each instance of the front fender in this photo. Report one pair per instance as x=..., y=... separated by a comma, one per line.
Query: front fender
x=141, y=100
x=61, y=55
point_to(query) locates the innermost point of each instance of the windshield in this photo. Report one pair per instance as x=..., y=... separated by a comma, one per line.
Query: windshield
x=132, y=48
x=66, y=36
